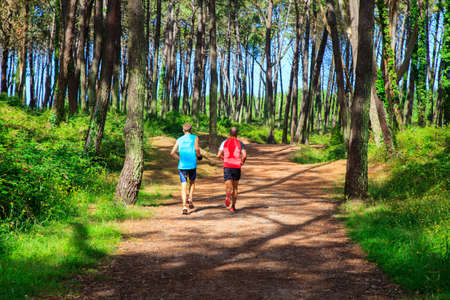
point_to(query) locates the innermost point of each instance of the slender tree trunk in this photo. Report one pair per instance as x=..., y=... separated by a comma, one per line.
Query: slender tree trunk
x=48, y=81
x=154, y=83
x=385, y=129
x=115, y=97
x=20, y=85
x=131, y=175
x=168, y=45
x=269, y=87
x=98, y=115
x=72, y=87
x=356, y=179
x=187, y=68
x=305, y=66
x=331, y=20
x=80, y=71
x=408, y=108
x=198, y=67
x=98, y=44
x=66, y=47
x=213, y=85
x=314, y=83
x=3, y=75
x=33, y=101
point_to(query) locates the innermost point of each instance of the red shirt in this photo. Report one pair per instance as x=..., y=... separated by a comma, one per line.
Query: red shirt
x=232, y=149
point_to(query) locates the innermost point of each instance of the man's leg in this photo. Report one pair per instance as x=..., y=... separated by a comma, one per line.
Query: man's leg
x=191, y=189
x=235, y=192
x=228, y=190
x=183, y=192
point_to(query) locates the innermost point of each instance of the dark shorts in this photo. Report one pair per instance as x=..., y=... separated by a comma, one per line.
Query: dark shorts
x=185, y=174
x=231, y=174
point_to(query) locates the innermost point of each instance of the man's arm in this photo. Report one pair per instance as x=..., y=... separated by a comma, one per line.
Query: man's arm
x=220, y=154
x=243, y=156
x=197, y=148
x=174, y=149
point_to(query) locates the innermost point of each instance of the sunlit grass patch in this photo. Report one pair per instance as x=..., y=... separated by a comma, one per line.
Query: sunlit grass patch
x=322, y=148
x=405, y=227
x=36, y=262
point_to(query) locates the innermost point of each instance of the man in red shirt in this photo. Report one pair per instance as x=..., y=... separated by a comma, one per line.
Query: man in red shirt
x=233, y=153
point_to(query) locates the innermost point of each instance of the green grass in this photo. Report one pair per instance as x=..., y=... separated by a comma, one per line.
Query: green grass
x=322, y=148
x=405, y=226
x=57, y=215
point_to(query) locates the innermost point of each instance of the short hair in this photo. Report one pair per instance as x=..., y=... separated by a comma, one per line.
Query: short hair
x=187, y=127
x=234, y=131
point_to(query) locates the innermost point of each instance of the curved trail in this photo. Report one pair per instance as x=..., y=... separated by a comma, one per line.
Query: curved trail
x=283, y=243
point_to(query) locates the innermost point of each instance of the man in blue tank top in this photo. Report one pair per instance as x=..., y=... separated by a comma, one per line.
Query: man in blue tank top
x=189, y=152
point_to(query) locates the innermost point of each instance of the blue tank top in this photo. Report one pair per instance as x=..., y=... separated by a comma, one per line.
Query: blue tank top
x=186, y=149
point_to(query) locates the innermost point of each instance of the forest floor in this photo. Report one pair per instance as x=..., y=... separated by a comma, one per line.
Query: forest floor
x=284, y=241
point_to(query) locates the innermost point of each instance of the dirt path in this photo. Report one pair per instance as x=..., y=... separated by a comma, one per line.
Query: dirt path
x=283, y=243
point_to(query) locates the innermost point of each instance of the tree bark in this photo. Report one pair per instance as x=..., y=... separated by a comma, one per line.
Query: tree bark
x=32, y=87
x=80, y=71
x=66, y=47
x=98, y=115
x=213, y=85
x=187, y=69
x=331, y=20
x=198, y=67
x=3, y=75
x=131, y=175
x=356, y=178
x=48, y=81
x=20, y=84
x=314, y=83
x=154, y=84
x=98, y=45
x=269, y=87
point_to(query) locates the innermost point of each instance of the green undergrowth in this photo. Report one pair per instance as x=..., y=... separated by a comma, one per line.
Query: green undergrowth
x=322, y=148
x=172, y=126
x=405, y=226
x=57, y=215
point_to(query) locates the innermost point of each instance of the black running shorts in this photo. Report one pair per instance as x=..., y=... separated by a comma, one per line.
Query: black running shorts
x=231, y=174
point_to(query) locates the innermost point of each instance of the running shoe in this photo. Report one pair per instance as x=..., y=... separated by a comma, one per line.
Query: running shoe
x=232, y=209
x=185, y=211
x=227, y=201
x=191, y=204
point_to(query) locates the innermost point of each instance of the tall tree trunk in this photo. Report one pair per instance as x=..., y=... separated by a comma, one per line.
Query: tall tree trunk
x=3, y=75
x=314, y=83
x=305, y=66
x=187, y=69
x=213, y=85
x=356, y=178
x=169, y=37
x=66, y=47
x=444, y=82
x=408, y=108
x=80, y=71
x=154, y=84
x=33, y=101
x=269, y=87
x=115, y=96
x=48, y=81
x=98, y=45
x=343, y=112
x=328, y=97
x=198, y=67
x=131, y=175
x=72, y=86
x=20, y=85
x=98, y=115
x=385, y=129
